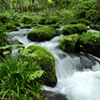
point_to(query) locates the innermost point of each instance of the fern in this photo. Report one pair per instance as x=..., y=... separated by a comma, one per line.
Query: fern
x=36, y=74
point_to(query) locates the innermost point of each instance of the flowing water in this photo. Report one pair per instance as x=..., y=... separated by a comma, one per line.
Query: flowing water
x=78, y=74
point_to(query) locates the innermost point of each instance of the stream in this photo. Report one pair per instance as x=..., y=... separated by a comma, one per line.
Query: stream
x=78, y=74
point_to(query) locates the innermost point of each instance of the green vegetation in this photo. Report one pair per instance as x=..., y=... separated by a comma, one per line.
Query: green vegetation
x=54, y=25
x=95, y=27
x=90, y=42
x=19, y=77
x=74, y=28
x=26, y=19
x=3, y=38
x=47, y=62
x=69, y=43
x=10, y=27
x=42, y=34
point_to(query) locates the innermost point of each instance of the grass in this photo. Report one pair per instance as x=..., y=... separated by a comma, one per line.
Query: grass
x=18, y=78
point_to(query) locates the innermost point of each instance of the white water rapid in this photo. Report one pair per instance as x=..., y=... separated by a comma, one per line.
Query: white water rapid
x=78, y=74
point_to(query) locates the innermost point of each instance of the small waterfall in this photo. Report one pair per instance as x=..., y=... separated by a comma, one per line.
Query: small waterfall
x=91, y=30
x=78, y=75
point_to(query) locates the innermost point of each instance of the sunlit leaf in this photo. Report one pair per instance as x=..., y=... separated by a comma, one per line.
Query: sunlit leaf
x=36, y=74
x=5, y=47
x=6, y=52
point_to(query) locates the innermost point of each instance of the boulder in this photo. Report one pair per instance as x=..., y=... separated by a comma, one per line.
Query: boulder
x=69, y=42
x=42, y=34
x=55, y=25
x=74, y=28
x=90, y=43
x=47, y=62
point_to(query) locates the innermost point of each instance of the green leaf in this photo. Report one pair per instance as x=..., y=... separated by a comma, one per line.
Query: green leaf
x=5, y=47
x=36, y=74
x=6, y=52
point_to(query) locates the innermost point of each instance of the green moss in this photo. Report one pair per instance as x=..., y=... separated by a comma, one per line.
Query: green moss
x=10, y=27
x=74, y=28
x=68, y=43
x=73, y=21
x=42, y=34
x=95, y=27
x=17, y=23
x=26, y=26
x=47, y=62
x=90, y=42
x=54, y=25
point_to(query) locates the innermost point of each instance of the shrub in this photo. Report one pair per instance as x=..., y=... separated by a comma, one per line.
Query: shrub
x=84, y=21
x=42, y=20
x=4, y=18
x=42, y=34
x=52, y=20
x=92, y=15
x=74, y=28
x=10, y=27
x=26, y=20
x=95, y=27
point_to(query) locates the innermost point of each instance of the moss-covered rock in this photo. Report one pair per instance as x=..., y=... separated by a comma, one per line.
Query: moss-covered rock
x=74, y=28
x=10, y=27
x=17, y=23
x=54, y=25
x=95, y=27
x=69, y=43
x=42, y=34
x=47, y=62
x=90, y=42
x=26, y=26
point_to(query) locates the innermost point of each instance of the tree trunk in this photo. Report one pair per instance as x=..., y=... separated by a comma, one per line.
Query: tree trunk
x=13, y=5
x=0, y=4
x=17, y=4
x=21, y=5
x=33, y=1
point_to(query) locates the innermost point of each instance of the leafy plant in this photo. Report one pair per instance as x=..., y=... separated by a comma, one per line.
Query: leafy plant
x=19, y=77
